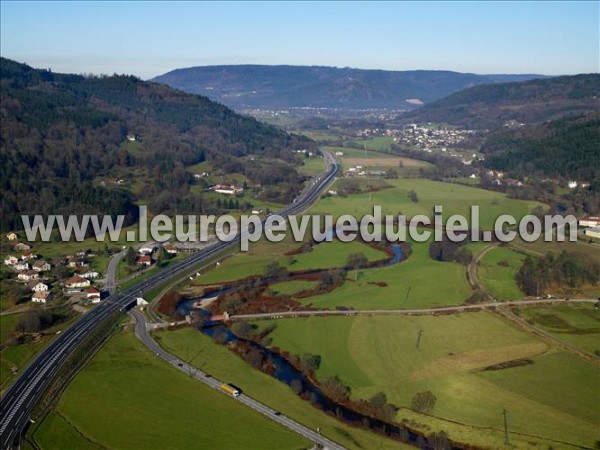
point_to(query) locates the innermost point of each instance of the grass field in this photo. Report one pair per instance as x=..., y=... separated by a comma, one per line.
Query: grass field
x=323, y=256
x=497, y=271
x=220, y=362
x=575, y=323
x=554, y=397
x=415, y=274
x=292, y=287
x=17, y=356
x=127, y=398
x=455, y=199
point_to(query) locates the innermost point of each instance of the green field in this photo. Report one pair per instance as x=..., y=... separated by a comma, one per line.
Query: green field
x=292, y=287
x=455, y=199
x=416, y=273
x=555, y=397
x=574, y=323
x=323, y=256
x=127, y=398
x=498, y=278
x=225, y=365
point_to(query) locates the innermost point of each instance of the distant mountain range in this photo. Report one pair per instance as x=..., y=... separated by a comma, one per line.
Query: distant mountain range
x=278, y=87
x=528, y=102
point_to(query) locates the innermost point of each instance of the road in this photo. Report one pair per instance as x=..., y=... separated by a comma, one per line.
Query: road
x=408, y=312
x=142, y=333
x=111, y=272
x=20, y=398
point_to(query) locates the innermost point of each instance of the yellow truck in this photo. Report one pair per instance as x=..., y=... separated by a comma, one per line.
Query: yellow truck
x=230, y=390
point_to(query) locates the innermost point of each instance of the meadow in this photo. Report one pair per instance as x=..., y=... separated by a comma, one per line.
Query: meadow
x=141, y=402
x=455, y=199
x=217, y=360
x=497, y=271
x=554, y=396
x=578, y=324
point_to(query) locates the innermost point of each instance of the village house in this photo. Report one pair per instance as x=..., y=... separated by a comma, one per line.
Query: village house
x=37, y=286
x=144, y=260
x=21, y=265
x=41, y=266
x=76, y=282
x=22, y=247
x=227, y=189
x=87, y=273
x=593, y=232
x=93, y=294
x=147, y=249
x=257, y=211
x=171, y=249
x=588, y=221
x=10, y=260
x=11, y=236
x=26, y=256
x=28, y=275
x=40, y=297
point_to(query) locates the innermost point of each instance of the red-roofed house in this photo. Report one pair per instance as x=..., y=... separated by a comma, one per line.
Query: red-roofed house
x=77, y=282
x=93, y=294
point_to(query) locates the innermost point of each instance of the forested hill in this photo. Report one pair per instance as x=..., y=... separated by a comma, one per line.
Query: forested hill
x=533, y=101
x=277, y=87
x=567, y=148
x=61, y=134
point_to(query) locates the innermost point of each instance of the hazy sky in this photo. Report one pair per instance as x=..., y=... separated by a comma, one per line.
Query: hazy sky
x=150, y=38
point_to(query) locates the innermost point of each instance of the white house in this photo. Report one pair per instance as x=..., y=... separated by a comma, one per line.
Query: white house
x=89, y=274
x=171, y=249
x=147, y=249
x=592, y=232
x=37, y=286
x=41, y=266
x=11, y=260
x=228, y=189
x=11, y=236
x=572, y=184
x=93, y=294
x=77, y=282
x=588, y=221
x=22, y=265
x=28, y=275
x=40, y=297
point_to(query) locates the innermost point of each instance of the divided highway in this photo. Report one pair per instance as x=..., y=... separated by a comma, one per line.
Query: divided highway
x=20, y=398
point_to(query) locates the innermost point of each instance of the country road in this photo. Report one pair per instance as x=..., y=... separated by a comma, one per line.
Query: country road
x=408, y=312
x=143, y=335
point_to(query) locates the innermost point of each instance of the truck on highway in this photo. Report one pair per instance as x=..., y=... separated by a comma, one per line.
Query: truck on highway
x=230, y=390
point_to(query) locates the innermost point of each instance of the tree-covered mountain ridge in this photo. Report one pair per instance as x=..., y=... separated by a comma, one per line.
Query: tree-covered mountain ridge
x=61, y=133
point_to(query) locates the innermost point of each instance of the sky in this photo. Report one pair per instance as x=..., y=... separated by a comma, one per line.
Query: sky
x=151, y=38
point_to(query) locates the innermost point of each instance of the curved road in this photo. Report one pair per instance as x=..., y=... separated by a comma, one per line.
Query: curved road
x=142, y=334
x=20, y=398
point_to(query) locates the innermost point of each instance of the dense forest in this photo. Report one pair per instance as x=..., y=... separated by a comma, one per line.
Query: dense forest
x=533, y=101
x=63, y=136
x=565, y=270
x=565, y=148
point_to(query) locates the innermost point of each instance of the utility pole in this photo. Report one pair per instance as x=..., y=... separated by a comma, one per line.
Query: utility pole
x=419, y=338
x=407, y=292
x=506, y=440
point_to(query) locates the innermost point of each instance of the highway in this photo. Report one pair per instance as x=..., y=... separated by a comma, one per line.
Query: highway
x=142, y=334
x=20, y=398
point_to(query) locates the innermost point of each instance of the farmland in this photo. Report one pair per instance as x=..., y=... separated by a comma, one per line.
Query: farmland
x=497, y=272
x=121, y=383
x=554, y=396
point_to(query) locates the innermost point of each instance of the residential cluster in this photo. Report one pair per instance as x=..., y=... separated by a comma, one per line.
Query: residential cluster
x=33, y=272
